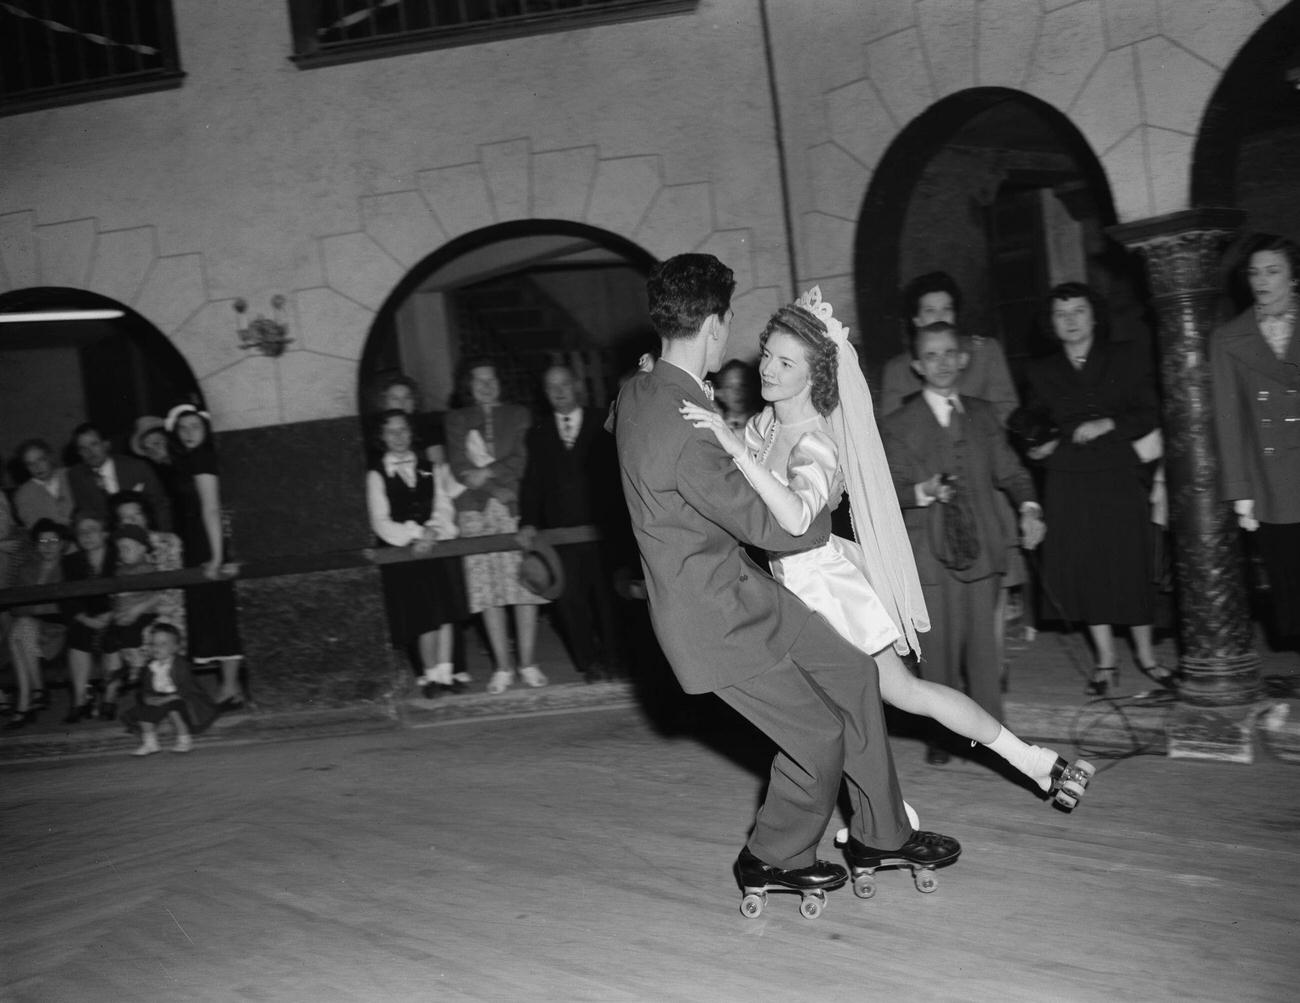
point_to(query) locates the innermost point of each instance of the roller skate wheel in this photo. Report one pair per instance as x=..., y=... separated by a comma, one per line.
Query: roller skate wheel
x=751, y=906
x=811, y=906
x=1066, y=798
x=1086, y=771
x=864, y=886
x=926, y=881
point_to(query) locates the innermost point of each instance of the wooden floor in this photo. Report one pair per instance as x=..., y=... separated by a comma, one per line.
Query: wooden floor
x=587, y=857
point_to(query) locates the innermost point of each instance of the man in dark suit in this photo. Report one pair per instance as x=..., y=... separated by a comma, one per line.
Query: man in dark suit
x=102, y=473
x=572, y=480
x=727, y=627
x=949, y=458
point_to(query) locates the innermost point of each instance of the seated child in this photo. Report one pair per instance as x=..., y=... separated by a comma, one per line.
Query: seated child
x=132, y=613
x=168, y=690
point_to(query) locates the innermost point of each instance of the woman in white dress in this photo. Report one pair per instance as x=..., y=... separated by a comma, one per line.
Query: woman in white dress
x=817, y=438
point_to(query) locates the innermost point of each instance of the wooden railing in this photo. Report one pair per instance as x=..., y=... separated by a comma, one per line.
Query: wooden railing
x=275, y=567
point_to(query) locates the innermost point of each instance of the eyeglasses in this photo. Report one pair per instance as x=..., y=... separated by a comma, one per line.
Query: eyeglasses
x=49, y=539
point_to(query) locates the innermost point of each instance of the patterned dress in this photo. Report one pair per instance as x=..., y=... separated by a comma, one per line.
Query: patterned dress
x=494, y=438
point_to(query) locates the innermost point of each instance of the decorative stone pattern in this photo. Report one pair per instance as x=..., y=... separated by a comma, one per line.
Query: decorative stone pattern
x=1133, y=75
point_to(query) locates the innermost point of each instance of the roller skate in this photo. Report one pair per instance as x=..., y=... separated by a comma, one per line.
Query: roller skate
x=1069, y=781
x=922, y=853
x=812, y=883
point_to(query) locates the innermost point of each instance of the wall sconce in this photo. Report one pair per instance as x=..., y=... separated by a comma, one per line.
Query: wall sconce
x=267, y=335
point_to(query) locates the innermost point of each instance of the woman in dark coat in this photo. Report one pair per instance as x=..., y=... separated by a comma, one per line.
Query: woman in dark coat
x=1097, y=557
x=1255, y=366
x=211, y=617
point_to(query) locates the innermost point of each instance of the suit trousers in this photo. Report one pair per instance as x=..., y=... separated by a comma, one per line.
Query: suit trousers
x=587, y=589
x=962, y=636
x=821, y=706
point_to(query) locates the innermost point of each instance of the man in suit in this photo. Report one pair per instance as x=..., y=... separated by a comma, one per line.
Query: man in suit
x=102, y=473
x=949, y=458
x=572, y=480
x=727, y=627
x=927, y=299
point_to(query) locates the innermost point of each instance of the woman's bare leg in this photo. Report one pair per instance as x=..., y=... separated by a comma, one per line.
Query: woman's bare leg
x=960, y=714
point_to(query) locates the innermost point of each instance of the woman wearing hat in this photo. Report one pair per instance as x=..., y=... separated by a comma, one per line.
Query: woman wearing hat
x=210, y=612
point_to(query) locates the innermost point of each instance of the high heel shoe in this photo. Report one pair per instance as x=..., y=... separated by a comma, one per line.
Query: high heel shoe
x=1158, y=674
x=19, y=719
x=1102, y=682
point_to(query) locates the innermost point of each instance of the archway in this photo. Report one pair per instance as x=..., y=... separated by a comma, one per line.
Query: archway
x=55, y=374
x=1249, y=141
x=1000, y=190
x=526, y=294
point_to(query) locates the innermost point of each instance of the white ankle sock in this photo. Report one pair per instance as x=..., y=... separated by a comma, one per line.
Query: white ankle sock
x=1033, y=761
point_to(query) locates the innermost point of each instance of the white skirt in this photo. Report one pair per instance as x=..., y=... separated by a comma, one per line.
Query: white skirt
x=832, y=580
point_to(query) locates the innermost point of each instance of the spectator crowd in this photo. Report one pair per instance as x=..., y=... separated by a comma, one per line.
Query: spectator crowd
x=983, y=466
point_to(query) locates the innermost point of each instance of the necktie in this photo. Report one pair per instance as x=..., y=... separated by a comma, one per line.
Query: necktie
x=708, y=389
x=566, y=430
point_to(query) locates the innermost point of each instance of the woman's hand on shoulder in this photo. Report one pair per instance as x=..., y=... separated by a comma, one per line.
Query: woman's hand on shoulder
x=702, y=417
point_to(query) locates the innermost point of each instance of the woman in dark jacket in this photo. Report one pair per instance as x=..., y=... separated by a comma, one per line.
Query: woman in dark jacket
x=1097, y=557
x=1255, y=366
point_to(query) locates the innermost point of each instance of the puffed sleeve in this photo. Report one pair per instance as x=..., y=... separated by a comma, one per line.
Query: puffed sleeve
x=811, y=473
x=395, y=534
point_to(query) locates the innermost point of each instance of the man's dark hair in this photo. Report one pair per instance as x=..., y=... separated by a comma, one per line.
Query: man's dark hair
x=938, y=327
x=88, y=426
x=686, y=290
x=923, y=285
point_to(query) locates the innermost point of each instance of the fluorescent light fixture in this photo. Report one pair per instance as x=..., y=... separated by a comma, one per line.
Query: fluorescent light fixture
x=42, y=315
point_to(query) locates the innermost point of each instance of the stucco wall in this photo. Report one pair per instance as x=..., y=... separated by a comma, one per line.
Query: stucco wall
x=329, y=185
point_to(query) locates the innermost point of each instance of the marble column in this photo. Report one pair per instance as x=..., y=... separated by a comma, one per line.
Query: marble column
x=1220, y=668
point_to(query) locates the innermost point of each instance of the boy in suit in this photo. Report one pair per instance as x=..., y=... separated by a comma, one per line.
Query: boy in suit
x=727, y=627
x=949, y=457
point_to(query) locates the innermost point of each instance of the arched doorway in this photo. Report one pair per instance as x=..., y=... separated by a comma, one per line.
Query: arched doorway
x=88, y=366
x=1249, y=143
x=1001, y=191
x=527, y=295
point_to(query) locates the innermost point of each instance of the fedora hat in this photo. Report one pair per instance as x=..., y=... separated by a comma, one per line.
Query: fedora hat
x=143, y=426
x=541, y=572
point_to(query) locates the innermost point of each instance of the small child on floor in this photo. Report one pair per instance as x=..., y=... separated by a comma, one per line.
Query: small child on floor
x=168, y=690
x=133, y=612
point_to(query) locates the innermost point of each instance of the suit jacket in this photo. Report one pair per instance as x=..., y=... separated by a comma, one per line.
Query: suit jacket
x=509, y=427
x=986, y=376
x=132, y=475
x=1257, y=419
x=570, y=487
x=1116, y=383
x=918, y=447
x=719, y=618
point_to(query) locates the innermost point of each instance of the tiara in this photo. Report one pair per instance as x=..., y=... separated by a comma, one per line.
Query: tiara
x=813, y=303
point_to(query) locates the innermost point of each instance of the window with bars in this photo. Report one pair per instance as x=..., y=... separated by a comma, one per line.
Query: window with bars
x=55, y=52
x=326, y=32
